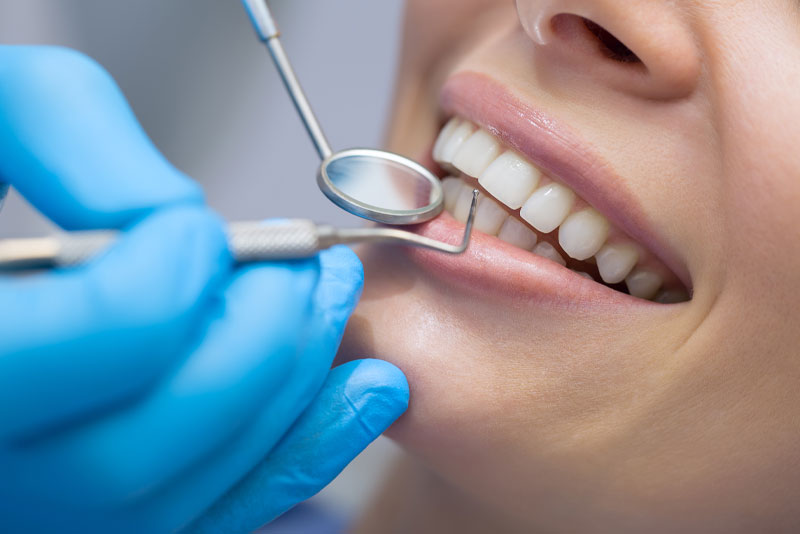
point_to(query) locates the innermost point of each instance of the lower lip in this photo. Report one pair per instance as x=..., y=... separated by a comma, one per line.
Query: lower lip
x=491, y=267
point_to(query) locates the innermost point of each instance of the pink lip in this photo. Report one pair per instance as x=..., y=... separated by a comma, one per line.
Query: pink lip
x=495, y=268
x=558, y=151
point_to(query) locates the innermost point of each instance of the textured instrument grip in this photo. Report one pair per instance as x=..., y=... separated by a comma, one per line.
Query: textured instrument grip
x=248, y=242
x=257, y=241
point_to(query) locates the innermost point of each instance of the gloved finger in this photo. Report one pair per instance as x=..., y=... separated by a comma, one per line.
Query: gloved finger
x=356, y=405
x=187, y=496
x=74, y=341
x=71, y=145
x=244, y=358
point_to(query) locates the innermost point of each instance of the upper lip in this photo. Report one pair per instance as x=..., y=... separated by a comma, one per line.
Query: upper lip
x=559, y=152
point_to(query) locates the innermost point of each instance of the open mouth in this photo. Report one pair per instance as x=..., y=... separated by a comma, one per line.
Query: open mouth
x=524, y=207
x=531, y=209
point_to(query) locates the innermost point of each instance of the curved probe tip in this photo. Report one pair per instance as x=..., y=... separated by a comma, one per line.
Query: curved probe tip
x=470, y=220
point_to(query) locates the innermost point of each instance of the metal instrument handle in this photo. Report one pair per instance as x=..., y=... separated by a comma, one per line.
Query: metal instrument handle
x=267, y=30
x=249, y=242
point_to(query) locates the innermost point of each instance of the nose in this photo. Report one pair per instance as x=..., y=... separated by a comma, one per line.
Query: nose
x=644, y=47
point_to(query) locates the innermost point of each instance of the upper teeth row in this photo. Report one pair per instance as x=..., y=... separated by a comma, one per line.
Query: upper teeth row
x=543, y=203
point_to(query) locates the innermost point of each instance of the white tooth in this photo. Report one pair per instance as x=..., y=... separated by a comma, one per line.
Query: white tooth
x=452, y=145
x=585, y=275
x=583, y=234
x=489, y=217
x=511, y=179
x=463, y=203
x=444, y=137
x=547, y=208
x=643, y=284
x=672, y=296
x=517, y=234
x=477, y=152
x=615, y=261
x=546, y=250
x=452, y=188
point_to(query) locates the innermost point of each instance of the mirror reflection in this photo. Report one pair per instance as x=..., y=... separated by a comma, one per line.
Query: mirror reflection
x=380, y=182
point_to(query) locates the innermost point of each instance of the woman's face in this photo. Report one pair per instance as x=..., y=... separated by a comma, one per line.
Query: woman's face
x=661, y=138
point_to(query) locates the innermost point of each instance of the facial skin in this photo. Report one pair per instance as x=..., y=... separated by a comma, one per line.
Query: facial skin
x=659, y=418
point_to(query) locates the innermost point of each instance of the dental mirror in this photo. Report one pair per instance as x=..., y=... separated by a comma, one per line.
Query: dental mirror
x=372, y=184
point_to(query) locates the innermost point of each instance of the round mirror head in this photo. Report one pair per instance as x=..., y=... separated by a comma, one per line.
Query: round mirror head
x=381, y=186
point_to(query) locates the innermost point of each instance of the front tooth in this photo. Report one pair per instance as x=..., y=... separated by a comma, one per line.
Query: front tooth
x=451, y=145
x=546, y=250
x=615, y=261
x=463, y=203
x=643, y=284
x=489, y=217
x=517, y=234
x=476, y=153
x=510, y=179
x=444, y=137
x=452, y=189
x=583, y=234
x=547, y=208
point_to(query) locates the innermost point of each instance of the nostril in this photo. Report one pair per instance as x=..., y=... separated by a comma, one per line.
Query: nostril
x=593, y=37
x=612, y=47
x=641, y=47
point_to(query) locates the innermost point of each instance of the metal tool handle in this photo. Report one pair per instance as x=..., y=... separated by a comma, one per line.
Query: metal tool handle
x=249, y=242
x=267, y=30
x=258, y=241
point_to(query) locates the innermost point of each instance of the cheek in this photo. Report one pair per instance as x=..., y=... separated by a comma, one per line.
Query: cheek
x=759, y=107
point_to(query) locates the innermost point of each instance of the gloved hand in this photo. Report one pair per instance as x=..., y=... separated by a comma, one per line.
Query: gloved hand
x=160, y=387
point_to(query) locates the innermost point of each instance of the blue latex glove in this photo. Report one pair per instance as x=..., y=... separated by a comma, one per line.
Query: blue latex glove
x=160, y=387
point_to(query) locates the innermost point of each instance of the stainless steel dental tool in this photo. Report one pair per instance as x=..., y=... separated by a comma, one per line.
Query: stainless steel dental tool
x=373, y=184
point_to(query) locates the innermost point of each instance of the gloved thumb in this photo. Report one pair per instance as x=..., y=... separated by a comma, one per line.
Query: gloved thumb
x=358, y=401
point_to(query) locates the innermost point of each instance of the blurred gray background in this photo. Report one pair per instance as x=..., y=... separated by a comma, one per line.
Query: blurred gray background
x=207, y=94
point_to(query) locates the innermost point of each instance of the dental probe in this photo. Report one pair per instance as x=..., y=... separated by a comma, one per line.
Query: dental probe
x=249, y=242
